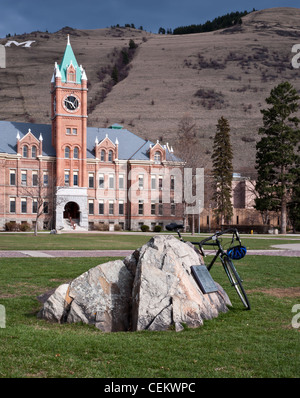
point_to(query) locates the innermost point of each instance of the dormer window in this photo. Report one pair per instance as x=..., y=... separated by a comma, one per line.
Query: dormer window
x=157, y=157
x=25, y=151
x=102, y=155
x=33, y=152
x=110, y=156
x=71, y=74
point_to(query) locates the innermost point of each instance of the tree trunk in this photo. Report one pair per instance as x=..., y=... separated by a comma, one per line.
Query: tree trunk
x=283, y=215
x=36, y=226
x=193, y=224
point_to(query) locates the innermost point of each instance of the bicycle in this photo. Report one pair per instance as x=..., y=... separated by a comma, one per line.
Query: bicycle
x=233, y=252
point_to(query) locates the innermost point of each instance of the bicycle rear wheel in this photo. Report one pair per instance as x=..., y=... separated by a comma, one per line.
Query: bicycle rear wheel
x=235, y=281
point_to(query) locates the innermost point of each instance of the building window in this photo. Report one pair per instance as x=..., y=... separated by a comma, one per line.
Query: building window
x=45, y=178
x=110, y=156
x=91, y=180
x=71, y=76
x=76, y=153
x=153, y=182
x=25, y=151
x=34, y=178
x=157, y=157
x=33, y=152
x=173, y=209
x=141, y=181
x=23, y=205
x=101, y=180
x=153, y=207
x=101, y=206
x=121, y=181
x=67, y=152
x=24, y=177
x=102, y=155
x=121, y=207
x=172, y=183
x=91, y=206
x=160, y=182
x=12, y=205
x=12, y=177
x=111, y=181
x=141, y=207
x=75, y=178
x=67, y=178
x=34, y=206
x=46, y=207
x=160, y=209
x=68, y=131
x=111, y=207
x=74, y=131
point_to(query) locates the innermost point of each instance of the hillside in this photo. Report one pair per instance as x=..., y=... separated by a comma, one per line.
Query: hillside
x=228, y=72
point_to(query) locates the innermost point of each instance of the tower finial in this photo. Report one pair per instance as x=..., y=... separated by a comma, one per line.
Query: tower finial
x=68, y=40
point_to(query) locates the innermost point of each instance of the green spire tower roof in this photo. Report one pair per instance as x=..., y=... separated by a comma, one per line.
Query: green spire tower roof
x=68, y=59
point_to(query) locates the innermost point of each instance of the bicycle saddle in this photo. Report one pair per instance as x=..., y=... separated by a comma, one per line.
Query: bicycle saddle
x=237, y=252
x=173, y=226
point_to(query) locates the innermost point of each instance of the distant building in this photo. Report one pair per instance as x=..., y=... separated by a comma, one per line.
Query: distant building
x=86, y=177
x=245, y=217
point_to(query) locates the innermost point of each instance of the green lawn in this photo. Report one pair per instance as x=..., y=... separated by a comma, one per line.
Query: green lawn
x=24, y=241
x=85, y=241
x=258, y=343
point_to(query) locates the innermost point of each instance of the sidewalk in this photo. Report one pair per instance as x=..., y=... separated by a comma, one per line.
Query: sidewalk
x=64, y=253
x=289, y=250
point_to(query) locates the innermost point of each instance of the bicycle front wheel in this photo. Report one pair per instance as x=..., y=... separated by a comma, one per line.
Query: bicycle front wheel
x=235, y=281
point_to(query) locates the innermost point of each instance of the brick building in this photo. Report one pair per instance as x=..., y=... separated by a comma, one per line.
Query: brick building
x=82, y=176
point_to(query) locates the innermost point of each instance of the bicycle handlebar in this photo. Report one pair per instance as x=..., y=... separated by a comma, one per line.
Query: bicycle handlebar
x=174, y=226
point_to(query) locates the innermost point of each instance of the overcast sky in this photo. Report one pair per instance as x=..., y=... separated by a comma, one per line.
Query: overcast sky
x=20, y=16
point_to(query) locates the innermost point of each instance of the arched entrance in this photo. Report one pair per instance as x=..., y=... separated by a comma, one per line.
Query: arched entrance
x=71, y=210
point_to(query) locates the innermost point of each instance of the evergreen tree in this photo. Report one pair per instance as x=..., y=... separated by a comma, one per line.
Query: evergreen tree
x=276, y=156
x=132, y=44
x=115, y=74
x=222, y=171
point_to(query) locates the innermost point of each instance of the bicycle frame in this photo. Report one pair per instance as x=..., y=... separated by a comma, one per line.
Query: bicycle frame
x=226, y=261
x=220, y=252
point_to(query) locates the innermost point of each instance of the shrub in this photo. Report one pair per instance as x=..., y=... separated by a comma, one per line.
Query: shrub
x=117, y=227
x=101, y=227
x=157, y=228
x=11, y=226
x=145, y=228
x=24, y=227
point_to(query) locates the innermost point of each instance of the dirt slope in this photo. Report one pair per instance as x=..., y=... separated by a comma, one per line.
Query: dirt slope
x=228, y=72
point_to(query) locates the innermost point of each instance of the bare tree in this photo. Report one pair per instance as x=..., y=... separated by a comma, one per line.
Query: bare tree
x=43, y=195
x=187, y=147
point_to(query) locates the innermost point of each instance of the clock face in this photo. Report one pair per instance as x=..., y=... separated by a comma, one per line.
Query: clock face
x=71, y=103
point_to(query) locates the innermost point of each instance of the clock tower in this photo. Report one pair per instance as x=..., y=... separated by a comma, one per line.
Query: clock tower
x=69, y=132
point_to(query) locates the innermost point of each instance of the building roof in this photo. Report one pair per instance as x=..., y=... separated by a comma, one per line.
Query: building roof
x=68, y=59
x=10, y=130
x=130, y=145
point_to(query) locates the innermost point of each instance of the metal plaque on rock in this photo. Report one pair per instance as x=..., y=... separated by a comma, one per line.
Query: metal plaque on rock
x=204, y=279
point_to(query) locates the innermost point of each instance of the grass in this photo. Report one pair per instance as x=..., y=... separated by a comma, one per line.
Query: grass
x=259, y=343
x=71, y=241
x=24, y=241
